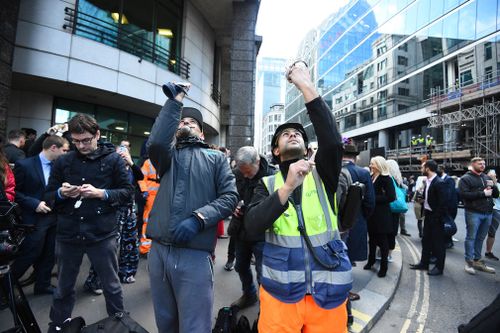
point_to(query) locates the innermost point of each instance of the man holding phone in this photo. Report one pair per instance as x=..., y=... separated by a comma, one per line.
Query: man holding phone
x=86, y=187
x=477, y=191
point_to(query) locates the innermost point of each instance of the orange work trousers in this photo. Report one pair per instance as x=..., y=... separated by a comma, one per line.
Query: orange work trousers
x=304, y=316
x=145, y=243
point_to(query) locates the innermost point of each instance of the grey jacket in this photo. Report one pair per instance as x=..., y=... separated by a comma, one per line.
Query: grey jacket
x=194, y=180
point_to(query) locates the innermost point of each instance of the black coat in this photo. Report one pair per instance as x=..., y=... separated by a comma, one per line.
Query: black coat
x=380, y=222
x=95, y=220
x=12, y=153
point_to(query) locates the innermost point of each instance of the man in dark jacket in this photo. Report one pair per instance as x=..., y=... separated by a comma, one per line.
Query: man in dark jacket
x=435, y=207
x=197, y=190
x=477, y=191
x=295, y=202
x=13, y=150
x=85, y=188
x=250, y=168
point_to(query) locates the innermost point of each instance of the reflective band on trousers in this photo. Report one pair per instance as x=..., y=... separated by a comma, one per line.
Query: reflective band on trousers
x=295, y=241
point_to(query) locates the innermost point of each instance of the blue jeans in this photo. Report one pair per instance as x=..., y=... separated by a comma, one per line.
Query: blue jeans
x=244, y=252
x=477, y=225
x=182, y=282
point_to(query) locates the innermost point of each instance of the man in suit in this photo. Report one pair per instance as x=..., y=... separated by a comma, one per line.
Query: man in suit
x=435, y=207
x=451, y=213
x=32, y=176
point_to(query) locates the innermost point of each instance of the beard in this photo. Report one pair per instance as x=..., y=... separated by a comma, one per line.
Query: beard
x=185, y=132
x=293, y=151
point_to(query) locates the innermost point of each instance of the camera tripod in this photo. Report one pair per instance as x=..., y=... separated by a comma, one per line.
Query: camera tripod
x=24, y=320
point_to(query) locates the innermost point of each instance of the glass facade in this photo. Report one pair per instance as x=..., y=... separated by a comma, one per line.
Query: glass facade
x=376, y=59
x=115, y=125
x=149, y=29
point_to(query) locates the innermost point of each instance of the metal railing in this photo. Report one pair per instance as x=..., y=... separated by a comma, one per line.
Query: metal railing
x=91, y=27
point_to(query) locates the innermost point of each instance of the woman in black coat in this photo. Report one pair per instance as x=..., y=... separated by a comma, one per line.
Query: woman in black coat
x=380, y=222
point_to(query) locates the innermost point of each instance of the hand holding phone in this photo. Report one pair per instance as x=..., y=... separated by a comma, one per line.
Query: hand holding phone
x=70, y=191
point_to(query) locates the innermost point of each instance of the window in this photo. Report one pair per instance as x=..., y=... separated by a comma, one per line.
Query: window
x=403, y=91
x=466, y=78
x=487, y=51
x=350, y=121
x=488, y=74
x=382, y=111
x=402, y=61
x=382, y=80
x=403, y=47
x=382, y=95
x=366, y=116
x=402, y=107
x=381, y=65
x=381, y=50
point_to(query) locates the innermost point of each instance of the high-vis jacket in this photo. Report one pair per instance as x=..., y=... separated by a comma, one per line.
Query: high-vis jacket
x=149, y=184
x=289, y=270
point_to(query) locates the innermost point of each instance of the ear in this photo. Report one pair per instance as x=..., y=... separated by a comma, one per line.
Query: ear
x=202, y=136
x=276, y=151
x=98, y=135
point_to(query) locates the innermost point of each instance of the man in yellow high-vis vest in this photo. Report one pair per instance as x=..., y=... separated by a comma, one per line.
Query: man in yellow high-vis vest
x=306, y=273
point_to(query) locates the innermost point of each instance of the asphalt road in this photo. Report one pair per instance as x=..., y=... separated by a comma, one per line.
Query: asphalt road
x=425, y=303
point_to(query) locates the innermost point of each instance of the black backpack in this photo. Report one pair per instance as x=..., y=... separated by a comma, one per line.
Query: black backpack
x=226, y=320
x=349, y=198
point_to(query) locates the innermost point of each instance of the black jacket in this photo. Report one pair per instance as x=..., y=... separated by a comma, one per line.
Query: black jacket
x=380, y=222
x=438, y=200
x=95, y=220
x=12, y=153
x=266, y=208
x=471, y=189
x=246, y=189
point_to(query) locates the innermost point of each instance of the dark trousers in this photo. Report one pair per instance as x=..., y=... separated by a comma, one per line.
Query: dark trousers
x=395, y=228
x=231, y=248
x=38, y=249
x=433, y=240
x=382, y=241
x=244, y=252
x=103, y=256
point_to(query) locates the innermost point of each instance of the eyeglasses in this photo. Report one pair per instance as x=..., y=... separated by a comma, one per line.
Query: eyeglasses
x=85, y=141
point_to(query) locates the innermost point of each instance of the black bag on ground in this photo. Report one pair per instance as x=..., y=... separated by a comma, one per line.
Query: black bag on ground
x=74, y=325
x=488, y=320
x=243, y=325
x=119, y=323
x=225, y=321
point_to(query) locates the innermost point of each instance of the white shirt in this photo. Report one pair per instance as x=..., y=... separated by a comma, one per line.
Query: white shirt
x=428, y=182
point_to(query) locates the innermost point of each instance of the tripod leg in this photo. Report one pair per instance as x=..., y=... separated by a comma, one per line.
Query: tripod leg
x=23, y=308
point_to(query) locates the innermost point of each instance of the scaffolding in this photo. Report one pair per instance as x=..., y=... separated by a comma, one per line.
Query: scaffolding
x=485, y=119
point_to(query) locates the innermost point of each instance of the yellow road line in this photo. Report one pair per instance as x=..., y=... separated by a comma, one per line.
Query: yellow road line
x=360, y=315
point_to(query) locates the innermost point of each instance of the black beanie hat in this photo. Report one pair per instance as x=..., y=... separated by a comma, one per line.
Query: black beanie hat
x=193, y=113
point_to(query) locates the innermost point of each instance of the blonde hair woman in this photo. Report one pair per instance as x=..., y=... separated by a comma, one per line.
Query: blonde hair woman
x=380, y=223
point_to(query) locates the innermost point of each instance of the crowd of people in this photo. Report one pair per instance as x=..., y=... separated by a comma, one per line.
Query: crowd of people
x=87, y=196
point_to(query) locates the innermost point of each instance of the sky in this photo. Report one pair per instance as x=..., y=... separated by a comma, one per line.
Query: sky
x=284, y=23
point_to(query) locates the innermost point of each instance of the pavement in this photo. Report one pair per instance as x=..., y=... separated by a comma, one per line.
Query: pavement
x=376, y=294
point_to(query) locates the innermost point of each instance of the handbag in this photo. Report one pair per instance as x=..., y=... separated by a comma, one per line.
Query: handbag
x=121, y=322
x=399, y=205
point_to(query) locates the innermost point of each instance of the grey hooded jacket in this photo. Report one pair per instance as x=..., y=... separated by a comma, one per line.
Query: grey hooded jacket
x=194, y=180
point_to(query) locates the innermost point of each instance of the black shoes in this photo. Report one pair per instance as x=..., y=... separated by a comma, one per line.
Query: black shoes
x=172, y=89
x=405, y=233
x=435, y=271
x=368, y=266
x=229, y=266
x=29, y=280
x=45, y=291
x=491, y=256
x=245, y=301
x=419, y=266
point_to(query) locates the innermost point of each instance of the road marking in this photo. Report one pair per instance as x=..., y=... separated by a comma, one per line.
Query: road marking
x=360, y=315
x=416, y=292
x=356, y=327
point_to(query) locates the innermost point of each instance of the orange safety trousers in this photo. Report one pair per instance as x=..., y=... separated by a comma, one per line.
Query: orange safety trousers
x=145, y=243
x=304, y=316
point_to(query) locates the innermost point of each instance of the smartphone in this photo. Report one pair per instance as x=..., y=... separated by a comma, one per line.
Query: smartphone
x=122, y=149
